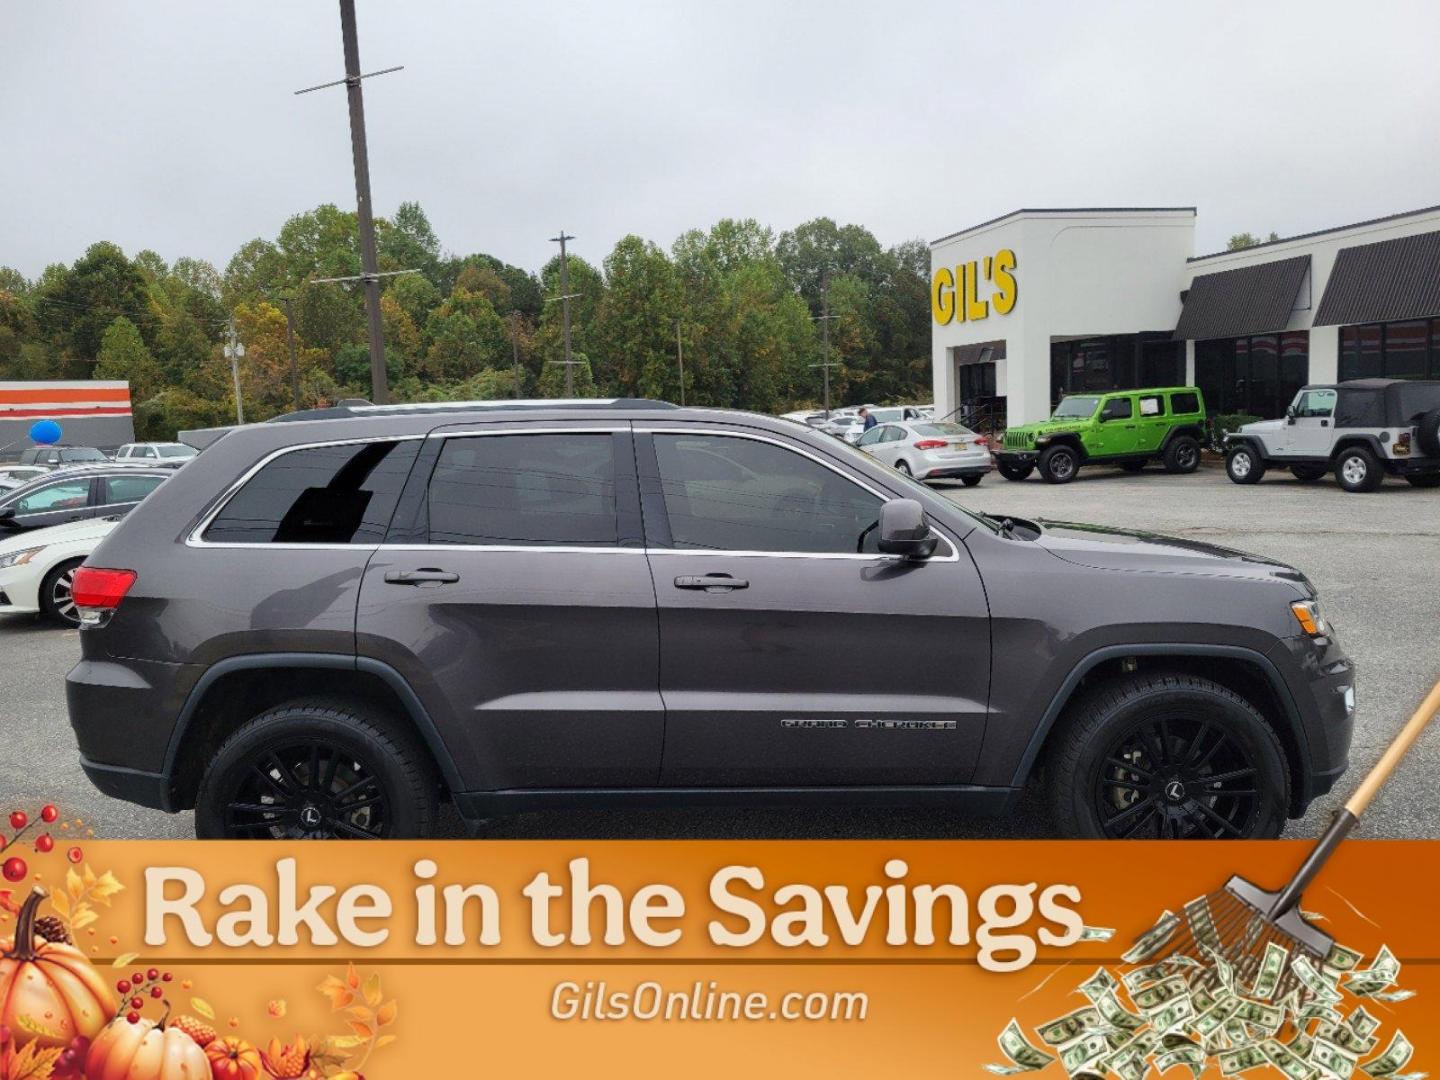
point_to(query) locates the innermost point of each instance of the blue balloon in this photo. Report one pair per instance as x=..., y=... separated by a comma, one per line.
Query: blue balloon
x=45, y=432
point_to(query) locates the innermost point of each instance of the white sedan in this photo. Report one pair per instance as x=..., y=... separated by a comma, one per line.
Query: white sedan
x=37, y=568
x=930, y=451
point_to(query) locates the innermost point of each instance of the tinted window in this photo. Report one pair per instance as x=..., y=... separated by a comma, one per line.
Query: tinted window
x=84, y=453
x=1184, y=403
x=178, y=451
x=128, y=489
x=525, y=489
x=1314, y=403
x=1360, y=408
x=732, y=494
x=319, y=495
x=68, y=496
x=942, y=430
x=1118, y=409
x=1152, y=406
x=874, y=435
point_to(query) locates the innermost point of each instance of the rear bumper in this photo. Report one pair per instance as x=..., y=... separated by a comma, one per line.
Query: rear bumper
x=133, y=785
x=955, y=472
x=1404, y=466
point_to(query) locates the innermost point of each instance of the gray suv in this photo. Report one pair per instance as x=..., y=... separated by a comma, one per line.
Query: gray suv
x=325, y=626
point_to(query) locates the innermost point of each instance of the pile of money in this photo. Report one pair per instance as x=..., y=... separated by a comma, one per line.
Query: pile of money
x=1198, y=1011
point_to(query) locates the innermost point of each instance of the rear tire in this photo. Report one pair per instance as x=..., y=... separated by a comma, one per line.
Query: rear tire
x=903, y=469
x=971, y=481
x=1059, y=464
x=318, y=768
x=1015, y=472
x=57, y=599
x=1424, y=480
x=1182, y=455
x=1427, y=433
x=1308, y=474
x=1166, y=756
x=1243, y=465
x=1358, y=470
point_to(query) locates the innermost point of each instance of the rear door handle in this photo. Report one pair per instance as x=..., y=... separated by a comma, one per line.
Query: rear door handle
x=426, y=575
x=711, y=582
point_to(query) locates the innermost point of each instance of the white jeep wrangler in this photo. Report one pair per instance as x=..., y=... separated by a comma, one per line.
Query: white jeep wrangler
x=1360, y=429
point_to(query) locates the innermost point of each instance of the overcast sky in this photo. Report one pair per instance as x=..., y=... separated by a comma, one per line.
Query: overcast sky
x=172, y=125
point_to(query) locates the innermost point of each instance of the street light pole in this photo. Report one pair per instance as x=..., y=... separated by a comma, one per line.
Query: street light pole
x=515, y=348
x=824, y=320
x=680, y=357
x=235, y=352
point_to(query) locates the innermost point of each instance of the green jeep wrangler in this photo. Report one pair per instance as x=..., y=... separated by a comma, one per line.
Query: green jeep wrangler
x=1125, y=427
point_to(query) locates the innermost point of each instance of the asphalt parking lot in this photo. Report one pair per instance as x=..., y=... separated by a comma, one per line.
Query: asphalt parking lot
x=1375, y=559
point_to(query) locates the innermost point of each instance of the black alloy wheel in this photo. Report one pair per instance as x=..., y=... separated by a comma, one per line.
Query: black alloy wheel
x=1182, y=455
x=318, y=770
x=1059, y=464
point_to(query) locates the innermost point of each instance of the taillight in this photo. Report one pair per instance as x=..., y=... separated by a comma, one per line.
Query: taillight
x=981, y=440
x=1402, y=444
x=101, y=590
x=930, y=444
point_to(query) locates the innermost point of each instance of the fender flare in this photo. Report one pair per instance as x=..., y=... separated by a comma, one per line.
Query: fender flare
x=414, y=708
x=1062, y=696
x=1370, y=442
x=1070, y=439
x=1254, y=442
x=1193, y=430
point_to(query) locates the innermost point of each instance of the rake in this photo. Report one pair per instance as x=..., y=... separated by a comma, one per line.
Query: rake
x=1238, y=922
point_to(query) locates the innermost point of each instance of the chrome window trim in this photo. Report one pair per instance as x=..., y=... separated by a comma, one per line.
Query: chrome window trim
x=952, y=556
x=195, y=537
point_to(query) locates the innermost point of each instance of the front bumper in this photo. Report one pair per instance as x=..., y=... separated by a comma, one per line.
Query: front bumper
x=1017, y=457
x=19, y=591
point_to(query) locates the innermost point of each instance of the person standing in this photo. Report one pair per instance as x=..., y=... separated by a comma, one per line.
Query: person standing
x=869, y=421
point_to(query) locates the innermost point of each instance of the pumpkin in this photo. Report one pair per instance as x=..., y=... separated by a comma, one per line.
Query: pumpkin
x=145, y=1050
x=49, y=984
x=233, y=1059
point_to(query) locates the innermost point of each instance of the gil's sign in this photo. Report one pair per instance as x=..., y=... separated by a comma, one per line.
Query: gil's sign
x=955, y=294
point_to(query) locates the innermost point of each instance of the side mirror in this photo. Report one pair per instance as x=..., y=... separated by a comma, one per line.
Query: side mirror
x=7, y=513
x=1290, y=413
x=904, y=530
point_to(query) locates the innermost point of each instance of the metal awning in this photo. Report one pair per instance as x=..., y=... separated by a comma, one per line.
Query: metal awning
x=1246, y=300
x=1383, y=282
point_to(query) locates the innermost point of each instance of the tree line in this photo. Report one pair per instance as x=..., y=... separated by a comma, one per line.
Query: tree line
x=741, y=303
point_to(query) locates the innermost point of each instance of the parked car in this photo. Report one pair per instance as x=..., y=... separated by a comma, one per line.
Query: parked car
x=12, y=476
x=37, y=568
x=70, y=494
x=1129, y=428
x=930, y=451
x=520, y=605
x=56, y=456
x=1361, y=430
x=851, y=426
x=808, y=417
x=167, y=454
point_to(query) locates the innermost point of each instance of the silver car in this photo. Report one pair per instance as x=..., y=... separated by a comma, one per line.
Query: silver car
x=930, y=451
x=851, y=427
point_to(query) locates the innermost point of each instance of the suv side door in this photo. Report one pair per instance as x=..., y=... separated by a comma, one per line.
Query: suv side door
x=792, y=653
x=512, y=594
x=1309, y=431
x=59, y=501
x=120, y=494
x=1151, y=423
x=1115, y=426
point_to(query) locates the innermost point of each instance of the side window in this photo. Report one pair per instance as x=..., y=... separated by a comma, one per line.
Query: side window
x=1117, y=409
x=894, y=434
x=726, y=493
x=1184, y=404
x=68, y=496
x=129, y=489
x=1152, y=405
x=1315, y=403
x=871, y=437
x=525, y=489
x=319, y=495
x=145, y=452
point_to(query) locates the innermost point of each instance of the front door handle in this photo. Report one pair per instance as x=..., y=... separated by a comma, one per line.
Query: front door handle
x=426, y=575
x=1324, y=423
x=711, y=582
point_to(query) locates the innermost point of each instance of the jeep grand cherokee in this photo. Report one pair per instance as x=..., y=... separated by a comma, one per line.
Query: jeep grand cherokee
x=324, y=626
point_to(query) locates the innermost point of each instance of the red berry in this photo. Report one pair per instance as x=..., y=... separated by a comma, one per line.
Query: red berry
x=166, y=977
x=156, y=992
x=138, y=978
x=44, y=843
x=133, y=1017
x=123, y=986
x=152, y=974
x=19, y=819
x=137, y=1003
x=49, y=813
x=75, y=854
x=15, y=869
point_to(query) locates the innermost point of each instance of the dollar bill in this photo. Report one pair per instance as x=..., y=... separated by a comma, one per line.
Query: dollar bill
x=1069, y=1027
x=1301, y=1043
x=1342, y=959
x=1102, y=982
x=1272, y=966
x=1333, y=1059
x=1023, y=1056
x=1242, y=1059
x=1096, y=933
x=1380, y=975
x=1148, y=973
x=1391, y=996
x=1192, y=1056
x=1173, y=1015
x=1115, y=1014
x=1317, y=1010
x=1160, y=994
x=1361, y=1022
x=1320, y=988
x=1396, y=1056
x=1213, y=1018
x=1345, y=1037
x=1287, y=1061
x=1153, y=940
x=1267, y=1017
x=1223, y=971
x=1083, y=1052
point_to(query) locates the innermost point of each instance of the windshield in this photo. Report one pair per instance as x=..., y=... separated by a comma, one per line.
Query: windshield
x=178, y=450
x=82, y=454
x=941, y=429
x=1075, y=408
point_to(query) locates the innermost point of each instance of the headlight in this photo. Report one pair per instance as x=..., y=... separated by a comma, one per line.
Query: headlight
x=19, y=558
x=1307, y=614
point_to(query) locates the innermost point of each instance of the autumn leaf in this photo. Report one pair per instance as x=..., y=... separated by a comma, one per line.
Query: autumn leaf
x=105, y=887
x=83, y=916
x=386, y=1013
x=384, y=1040
x=344, y=1042
x=7, y=902
x=372, y=989
x=35, y=1027
x=339, y=994
x=73, y=884
x=365, y=1031
x=59, y=901
x=124, y=959
x=33, y=1063
x=352, y=977
x=360, y=1012
x=203, y=1007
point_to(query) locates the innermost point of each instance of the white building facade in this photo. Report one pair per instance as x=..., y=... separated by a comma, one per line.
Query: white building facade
x=1040, y=303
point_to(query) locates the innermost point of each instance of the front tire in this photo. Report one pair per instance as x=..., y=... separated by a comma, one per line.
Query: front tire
x=1358, y=470
x=318, y=769
x=57, y=594
x=1059, y=464
x=1182, y=455
x=1167, y=756
x=1243, y=465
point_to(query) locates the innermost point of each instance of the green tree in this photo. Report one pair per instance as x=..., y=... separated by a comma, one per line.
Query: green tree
x=633, y=336
x=1241, y=241
x=74, y=307
x=465, y=335
x=123, y=355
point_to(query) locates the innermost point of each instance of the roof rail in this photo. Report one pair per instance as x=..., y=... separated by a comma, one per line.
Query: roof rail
x=353, y=407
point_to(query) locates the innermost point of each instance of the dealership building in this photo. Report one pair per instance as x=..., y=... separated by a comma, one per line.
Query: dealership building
x=1041, y=303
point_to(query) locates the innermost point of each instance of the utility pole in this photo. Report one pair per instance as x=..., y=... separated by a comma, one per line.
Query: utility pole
x=565, y=298
x=515, y=348
x=680, y=357
x=370, y=275
x=824, y=320
x=235, y=352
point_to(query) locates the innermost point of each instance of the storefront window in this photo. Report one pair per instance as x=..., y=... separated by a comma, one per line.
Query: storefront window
x=1397, y=350
x=1256, y=376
